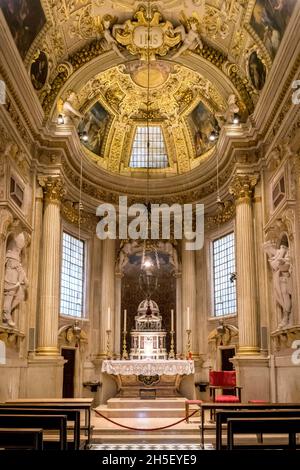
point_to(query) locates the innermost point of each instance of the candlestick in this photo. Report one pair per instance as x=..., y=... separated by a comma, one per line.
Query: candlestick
x=172, y=352
x=188, y=344
x=124, y=353
x=125, y=321
x=108, y=352
x=188, y=318
x=172, y=320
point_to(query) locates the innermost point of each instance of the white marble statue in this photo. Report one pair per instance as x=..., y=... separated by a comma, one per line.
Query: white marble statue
x=281, y=266
x=67, y=107
x=15, y=280
x=110, y=40
x=190, y=39
x=228, y=116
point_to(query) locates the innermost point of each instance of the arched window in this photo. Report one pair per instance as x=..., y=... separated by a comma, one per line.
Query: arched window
x=157, y=155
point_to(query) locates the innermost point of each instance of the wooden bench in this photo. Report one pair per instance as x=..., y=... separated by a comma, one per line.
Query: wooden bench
x=21, y=439
x=289, y=426
x=81, y=404
x=241, y=406
x=72, y=415
x=223, y=415
x=46, y=422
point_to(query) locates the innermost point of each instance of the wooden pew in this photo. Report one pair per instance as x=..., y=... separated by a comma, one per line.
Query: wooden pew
x=72, y=415
x=223, y=415
x=241, y=406
x=45, y=422
x=21, y=439
x=289, y=426
x=81, y=404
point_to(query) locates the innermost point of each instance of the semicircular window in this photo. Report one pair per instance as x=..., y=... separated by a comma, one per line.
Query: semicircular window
x=156, y=157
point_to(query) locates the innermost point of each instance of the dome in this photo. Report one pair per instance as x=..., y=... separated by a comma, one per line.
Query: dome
x=142, y=308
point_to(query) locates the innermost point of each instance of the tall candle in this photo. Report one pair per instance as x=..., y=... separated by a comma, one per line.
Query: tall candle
x=172, y=320
x=188, y=318
x=108, y=318
x=125, y=320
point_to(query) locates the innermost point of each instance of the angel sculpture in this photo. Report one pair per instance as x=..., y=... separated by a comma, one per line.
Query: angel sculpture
x=127, y=248
x=110, y=40
x=281, y=266
x=190, y=39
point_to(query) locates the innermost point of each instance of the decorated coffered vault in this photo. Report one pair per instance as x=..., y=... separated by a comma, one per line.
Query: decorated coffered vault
x=208, y=61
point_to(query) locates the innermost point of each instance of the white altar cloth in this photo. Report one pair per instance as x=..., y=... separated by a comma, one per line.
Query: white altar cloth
x=148, y=367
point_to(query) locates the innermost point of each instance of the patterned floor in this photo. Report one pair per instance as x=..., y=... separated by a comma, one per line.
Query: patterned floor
x=195, y=447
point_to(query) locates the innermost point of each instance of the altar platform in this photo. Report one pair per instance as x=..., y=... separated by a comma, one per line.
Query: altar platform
x=148, y=378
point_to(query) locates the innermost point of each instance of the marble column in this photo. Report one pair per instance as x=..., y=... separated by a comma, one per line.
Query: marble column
x=179, y=322
x=50, y=268
x=108, y=297
x=189, y=299
x=242, y=189
x=118, y=315
x=35, y=258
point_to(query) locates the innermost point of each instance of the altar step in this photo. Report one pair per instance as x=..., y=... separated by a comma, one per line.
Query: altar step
x=178, y=403
x=143, y=408
x=141, y=412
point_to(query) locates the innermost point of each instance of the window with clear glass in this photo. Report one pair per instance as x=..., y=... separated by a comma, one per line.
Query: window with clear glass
x=224, y=275
x=156, y=157
x=72, y=276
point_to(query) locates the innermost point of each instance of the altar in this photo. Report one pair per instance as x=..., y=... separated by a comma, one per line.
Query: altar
x=135, y=378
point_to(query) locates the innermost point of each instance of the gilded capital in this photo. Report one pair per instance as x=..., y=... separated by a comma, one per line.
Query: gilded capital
x=242, y=187
x=53, y=189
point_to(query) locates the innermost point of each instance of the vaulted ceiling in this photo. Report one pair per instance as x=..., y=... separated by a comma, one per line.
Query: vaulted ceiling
x=93, y=62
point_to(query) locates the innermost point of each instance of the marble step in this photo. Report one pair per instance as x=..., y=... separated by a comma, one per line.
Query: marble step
x=141, y=412
x=146, y=403
x=151, y=439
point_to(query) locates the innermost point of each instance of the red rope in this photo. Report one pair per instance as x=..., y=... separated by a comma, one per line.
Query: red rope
x=148, y=429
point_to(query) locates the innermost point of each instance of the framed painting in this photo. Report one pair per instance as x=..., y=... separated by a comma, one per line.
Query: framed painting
x=25, y=19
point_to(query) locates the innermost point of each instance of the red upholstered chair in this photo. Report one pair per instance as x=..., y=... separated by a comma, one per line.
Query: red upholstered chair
x=225, y=380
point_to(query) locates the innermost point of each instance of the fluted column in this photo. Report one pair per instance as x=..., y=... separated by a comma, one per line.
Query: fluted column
x=108, y=296
x=118, y=314
x=50, y=268
x=242, y=189
x=189, y=298
x=35, y=257
x=179, y=321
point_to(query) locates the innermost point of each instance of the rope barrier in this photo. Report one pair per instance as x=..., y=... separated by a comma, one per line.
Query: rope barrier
x=145, y=429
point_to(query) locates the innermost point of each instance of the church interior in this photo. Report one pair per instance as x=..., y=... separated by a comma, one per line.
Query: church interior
x=123, y=107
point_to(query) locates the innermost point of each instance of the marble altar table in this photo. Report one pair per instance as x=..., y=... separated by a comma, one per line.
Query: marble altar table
x=138, y=378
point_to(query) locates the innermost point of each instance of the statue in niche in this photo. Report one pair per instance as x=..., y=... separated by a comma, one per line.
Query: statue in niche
x=15, y=280
x=280, y=263
x=190, y=39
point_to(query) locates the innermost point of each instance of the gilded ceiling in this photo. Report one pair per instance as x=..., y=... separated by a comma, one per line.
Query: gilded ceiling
x=205, y=62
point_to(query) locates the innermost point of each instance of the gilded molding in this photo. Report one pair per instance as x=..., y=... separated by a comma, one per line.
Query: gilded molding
x=71, y=215
x=226, y=214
